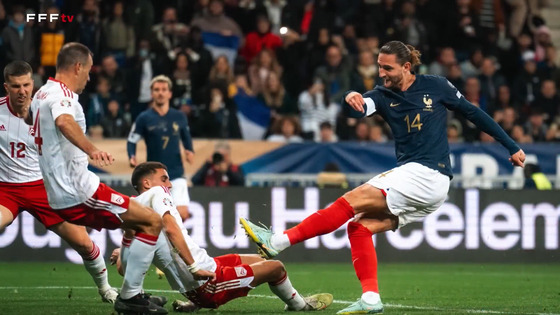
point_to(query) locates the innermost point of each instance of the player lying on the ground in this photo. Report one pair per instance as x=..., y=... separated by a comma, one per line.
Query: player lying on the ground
x=415, y=107
x=182, y=259
x=21, y=182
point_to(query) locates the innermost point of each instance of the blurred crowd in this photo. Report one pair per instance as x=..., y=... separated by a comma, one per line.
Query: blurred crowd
x=277, y=69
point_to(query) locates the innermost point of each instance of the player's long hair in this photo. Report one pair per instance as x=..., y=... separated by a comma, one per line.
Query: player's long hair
x=405, y=53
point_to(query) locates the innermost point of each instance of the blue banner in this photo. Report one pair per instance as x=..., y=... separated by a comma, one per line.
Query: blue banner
x=364, y=157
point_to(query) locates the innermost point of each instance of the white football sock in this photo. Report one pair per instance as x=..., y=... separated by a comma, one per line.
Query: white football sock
x=139, y=260
x=287, y=293
x=371, y=297
x=125, y=250
x=280, y=241
x=95, y=265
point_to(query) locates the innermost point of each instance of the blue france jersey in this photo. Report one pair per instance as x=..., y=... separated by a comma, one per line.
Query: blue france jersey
x=162, y=135
x=418, y=120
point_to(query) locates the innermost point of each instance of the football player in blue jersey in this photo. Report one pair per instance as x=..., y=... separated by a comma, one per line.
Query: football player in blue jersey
x=163, y=127
x=415, y=107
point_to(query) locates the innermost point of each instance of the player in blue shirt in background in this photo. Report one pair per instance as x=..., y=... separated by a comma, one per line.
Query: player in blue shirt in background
x=415, y=107
x=162, y=128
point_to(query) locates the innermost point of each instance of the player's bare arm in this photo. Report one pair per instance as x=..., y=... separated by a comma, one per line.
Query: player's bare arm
x=175, y=236
x=72, y=131
x=356, y=101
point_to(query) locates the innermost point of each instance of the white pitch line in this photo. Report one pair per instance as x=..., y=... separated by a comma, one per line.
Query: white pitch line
x=389, y=305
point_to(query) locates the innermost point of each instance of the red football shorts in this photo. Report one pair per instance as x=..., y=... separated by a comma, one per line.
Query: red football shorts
x=30, y=197
x=233, y=280
x=100, y=211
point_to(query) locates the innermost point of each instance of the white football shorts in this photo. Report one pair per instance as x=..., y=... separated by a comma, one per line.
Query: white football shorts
x=180, y=192
x=412, y=190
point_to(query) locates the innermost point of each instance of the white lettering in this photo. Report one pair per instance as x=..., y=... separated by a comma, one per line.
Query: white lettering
x=551, y=216
x=490, y=224
x=10, y=233
x=216, y=226
x=405, y=242
x=281, y=215
x=434, y=223
x=472, y=238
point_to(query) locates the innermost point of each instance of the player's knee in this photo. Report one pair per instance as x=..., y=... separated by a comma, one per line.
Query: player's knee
x=277, y=269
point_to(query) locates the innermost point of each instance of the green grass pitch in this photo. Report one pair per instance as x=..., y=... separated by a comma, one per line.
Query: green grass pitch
x=64, y=288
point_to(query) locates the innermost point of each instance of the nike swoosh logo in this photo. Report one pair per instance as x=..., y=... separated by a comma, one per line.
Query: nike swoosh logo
x=394, y=105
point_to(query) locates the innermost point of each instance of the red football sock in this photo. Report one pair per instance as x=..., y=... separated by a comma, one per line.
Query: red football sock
x=321, y=222
x=364, y=257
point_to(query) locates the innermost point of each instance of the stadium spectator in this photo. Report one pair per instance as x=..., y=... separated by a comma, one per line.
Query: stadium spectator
x=118, y=35
x=275, y=96
x=245, y=13
x=547, y=101
x=361, y=131
x=526, y=84
x=194, y=270
x=260, y=39
x=335, y=74
x=286, y=129
x=455, y=77
x=52, y=38
x=217, y=29
x=182, y=85
x=365, y=75
x=508, y=119
x=535, y=126
x=19, y=40
x=200, y=60
x=445, y=59
x=490, y=79
x=164, y=130
x=115, y=124
x=542, y=40
x=316, y=51
x=547, y=67
x=326, y=133
x=98, y=102
x=88, y=30
x=221, y=74
x=116, y=76
x=263, y=64
x=518, y=134
x=535, y=178
x=503, y=101
x=291, y=57
x=218, y=118
x=219, y=171
x=315, y=107
x=376, y=134
x=170, y=34
x=471, y=66
x=145, y=67
x=454, y=132
x=274, y=9
x=409, y=28
x=140, y=14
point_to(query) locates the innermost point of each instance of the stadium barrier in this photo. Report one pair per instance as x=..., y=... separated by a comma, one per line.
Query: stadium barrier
x=472, y=226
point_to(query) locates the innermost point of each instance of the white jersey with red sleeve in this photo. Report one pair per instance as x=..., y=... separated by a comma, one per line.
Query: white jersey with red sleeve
x=18, y=152
x=64, y=166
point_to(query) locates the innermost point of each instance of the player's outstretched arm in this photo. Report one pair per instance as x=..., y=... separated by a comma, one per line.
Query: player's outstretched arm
x=356, y=101
x=175, y=236
x=72, y=131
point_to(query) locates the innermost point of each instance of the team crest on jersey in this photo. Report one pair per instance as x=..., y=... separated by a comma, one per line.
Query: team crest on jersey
x=65, y=103
x=240, y=271
x=167, y=202
x=117, y=199
x=428, y=102
x=31, y=131
x=175, y=127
